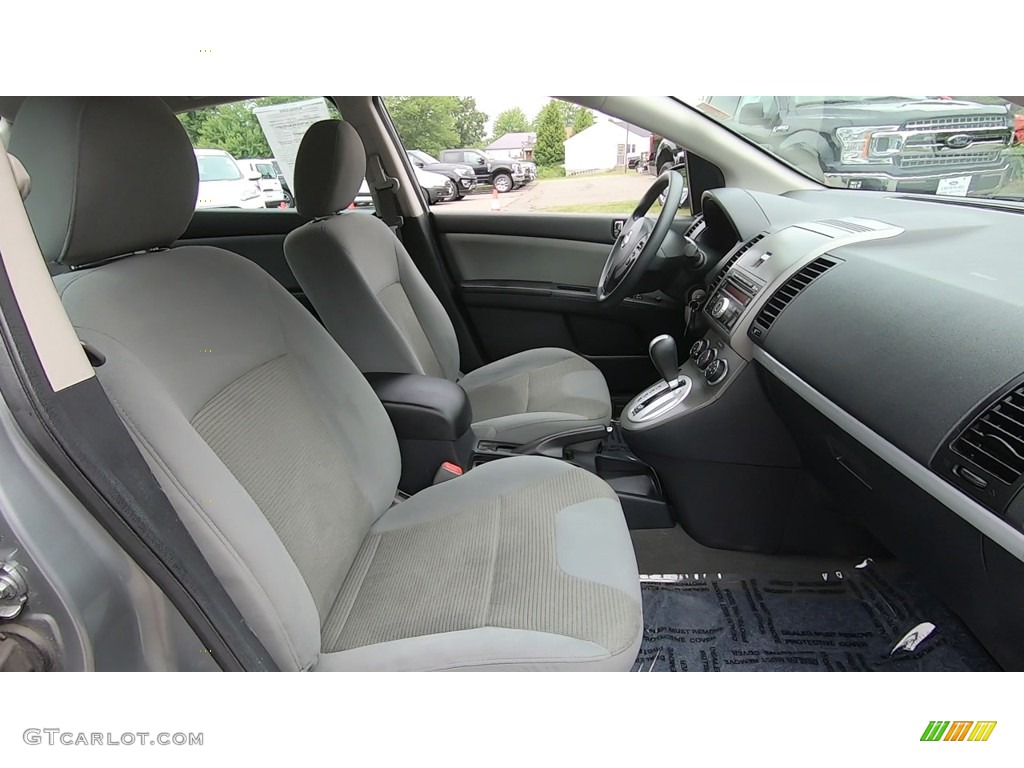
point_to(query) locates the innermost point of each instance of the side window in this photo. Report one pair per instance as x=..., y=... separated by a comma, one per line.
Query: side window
x=246, y=150
x=545, y=155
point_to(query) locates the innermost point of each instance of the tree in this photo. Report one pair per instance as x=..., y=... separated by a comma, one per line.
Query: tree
x=568, y=113
x=426, y=123
x=470, y=122
x=583, y=119
x=550, y=147
x=511, y=121
x=235, y=127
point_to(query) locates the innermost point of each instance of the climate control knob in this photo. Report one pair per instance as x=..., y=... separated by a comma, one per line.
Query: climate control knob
x=706, y=358
x=716, y=371
x=698, y=347
x=720, y=307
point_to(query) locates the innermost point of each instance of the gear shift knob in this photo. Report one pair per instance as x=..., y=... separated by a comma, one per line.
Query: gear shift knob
x=665, y=358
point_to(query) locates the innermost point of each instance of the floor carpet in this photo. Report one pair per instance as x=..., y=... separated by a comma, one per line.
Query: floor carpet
x=837, y=621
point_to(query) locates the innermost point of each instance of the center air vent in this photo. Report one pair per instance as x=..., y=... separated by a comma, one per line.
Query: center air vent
x=994, y=441
x=789, y=290
x=732, y=260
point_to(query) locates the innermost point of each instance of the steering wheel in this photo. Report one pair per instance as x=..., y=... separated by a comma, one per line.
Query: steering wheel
x=640, y=239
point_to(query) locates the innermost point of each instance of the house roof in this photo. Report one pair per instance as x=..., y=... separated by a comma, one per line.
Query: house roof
x=514, y=141
x=633, y=129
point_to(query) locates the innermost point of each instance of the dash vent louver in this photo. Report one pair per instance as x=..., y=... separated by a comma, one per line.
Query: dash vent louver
x=694, y=230
x=732, y=260
x=790, y=289
x=995, y=439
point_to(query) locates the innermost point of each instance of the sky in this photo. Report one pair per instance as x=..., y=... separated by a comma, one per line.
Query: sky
x=494, y=105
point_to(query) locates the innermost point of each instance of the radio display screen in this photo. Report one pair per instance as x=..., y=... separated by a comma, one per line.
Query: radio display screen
x=736, y=293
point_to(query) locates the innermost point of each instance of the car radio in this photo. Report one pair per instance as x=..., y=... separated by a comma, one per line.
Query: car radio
x=731, y=298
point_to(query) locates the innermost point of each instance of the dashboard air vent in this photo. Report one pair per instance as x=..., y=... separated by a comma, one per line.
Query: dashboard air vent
x=789, y=290
x=995, y=439
x=732, y=260
x=694, y=230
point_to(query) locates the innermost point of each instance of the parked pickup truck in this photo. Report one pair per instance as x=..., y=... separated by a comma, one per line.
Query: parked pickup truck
x=504, y=175
x=892, y=143
x=461, y=175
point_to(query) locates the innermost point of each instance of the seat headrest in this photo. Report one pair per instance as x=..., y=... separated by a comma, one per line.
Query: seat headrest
x=110, y=175
x=329, y=167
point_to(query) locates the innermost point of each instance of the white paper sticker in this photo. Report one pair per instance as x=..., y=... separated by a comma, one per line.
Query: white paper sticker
x=284, y=125
x=914, y=637
x=956, y=186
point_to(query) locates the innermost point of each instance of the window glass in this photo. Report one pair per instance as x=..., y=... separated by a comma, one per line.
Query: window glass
x=237, y=142
x=540, y=155
x=958, y=146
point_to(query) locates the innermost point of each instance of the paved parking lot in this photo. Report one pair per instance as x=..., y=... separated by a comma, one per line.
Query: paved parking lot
x=553, y=193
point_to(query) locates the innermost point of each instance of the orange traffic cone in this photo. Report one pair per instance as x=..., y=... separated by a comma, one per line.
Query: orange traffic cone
x=495, y=205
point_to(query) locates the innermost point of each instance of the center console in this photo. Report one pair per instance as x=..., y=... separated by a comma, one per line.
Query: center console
x=729, y=467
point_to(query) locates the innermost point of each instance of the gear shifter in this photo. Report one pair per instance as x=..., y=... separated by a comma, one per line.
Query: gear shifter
x=665, y=358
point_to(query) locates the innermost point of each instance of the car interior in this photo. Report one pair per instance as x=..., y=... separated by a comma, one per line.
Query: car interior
x=782, y=429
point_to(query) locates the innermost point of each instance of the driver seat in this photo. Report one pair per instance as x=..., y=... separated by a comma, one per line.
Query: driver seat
x=378, y=307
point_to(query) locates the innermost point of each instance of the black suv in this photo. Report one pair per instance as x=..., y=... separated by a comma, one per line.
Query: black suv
x=505, y=175
x=894, y=143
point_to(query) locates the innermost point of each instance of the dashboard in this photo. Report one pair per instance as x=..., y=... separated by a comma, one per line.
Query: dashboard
x=887, y=332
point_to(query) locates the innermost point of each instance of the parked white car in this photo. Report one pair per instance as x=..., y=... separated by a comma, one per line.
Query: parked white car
x=438, y=188
x=223, y=184
x=270, y=179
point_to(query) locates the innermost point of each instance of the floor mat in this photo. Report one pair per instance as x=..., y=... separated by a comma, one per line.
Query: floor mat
x=839, y=621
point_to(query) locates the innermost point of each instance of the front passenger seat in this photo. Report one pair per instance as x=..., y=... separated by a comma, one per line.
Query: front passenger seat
x=276, y=453
x=376, y=304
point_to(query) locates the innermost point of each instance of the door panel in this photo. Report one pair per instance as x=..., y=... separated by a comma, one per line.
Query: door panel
x=509, y=257
x=528, y=280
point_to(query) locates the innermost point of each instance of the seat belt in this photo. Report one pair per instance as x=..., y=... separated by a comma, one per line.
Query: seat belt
x=384, y=188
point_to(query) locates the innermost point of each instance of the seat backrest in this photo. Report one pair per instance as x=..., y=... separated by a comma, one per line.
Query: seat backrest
x=358, y=275
x=266, y=438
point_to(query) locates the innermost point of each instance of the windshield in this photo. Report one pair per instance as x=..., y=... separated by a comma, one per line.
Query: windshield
x=266, y=170
x=218, y=168
x=955, y=146
x=423, y=157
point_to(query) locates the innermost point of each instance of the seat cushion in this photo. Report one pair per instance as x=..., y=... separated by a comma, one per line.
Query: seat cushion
x=522, y=563
x=536, y=393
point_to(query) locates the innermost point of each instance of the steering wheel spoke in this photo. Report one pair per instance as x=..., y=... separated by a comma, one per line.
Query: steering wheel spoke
x=639, y=240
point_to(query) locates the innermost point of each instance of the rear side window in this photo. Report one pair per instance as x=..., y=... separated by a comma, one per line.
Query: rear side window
x=218, y=168
x=256, y=142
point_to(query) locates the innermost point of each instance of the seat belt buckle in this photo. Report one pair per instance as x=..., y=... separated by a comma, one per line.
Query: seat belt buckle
x=447, y=471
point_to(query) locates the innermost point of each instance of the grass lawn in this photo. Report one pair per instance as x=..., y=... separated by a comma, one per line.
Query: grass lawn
x=625, y=207
x=601, y=175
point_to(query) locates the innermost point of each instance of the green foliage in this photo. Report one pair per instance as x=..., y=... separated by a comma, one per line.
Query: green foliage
x=426, y=123
x=511, y=121
x=582, y=120
x=550, y=171
x=569, y=114
x=470, y=123
x=234, y=127
x=550, y=148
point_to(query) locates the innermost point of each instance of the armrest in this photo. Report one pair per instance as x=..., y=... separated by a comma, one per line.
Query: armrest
x=423, y=407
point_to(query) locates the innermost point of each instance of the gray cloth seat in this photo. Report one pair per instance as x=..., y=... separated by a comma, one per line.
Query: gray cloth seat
x=376, y=304
x=276, y=453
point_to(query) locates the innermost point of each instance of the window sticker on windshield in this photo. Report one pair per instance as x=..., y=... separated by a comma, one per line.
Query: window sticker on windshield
x=956, y=186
